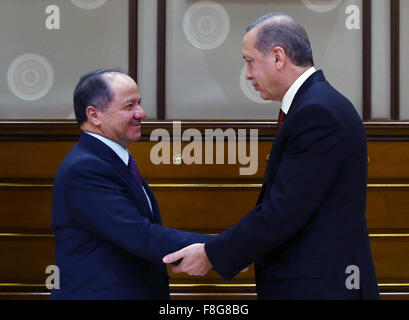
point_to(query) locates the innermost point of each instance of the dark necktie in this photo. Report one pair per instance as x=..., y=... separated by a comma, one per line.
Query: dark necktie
x=134, y=169
x=281, y=118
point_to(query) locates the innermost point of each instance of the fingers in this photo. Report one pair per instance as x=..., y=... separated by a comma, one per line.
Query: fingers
x=181, y=267
x=191, y=270
x=173, y=257
x=193, y=258
x=178, y=255
x=177, y=269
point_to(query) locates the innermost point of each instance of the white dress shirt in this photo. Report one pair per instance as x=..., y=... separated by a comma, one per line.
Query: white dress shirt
x=121, y=152
x=290, y=94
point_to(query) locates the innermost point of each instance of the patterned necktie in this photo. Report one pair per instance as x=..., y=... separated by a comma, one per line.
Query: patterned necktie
x=134, y=169
x=281, y=118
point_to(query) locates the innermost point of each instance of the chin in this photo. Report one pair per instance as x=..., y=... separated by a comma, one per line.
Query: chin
x=136, y=137
x=267, y=97
x=135, y=133
x=264, y=96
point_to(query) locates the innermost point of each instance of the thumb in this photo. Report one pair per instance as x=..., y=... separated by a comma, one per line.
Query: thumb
x=173, y=257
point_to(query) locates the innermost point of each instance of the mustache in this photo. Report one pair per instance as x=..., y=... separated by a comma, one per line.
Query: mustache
x=135, y=123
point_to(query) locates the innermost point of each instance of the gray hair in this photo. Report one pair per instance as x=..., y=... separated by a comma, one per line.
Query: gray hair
x=278, y=29
x=93, y=89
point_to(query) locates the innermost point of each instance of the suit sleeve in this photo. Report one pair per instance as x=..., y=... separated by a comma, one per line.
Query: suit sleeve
x=102, y=208
x=314, y=151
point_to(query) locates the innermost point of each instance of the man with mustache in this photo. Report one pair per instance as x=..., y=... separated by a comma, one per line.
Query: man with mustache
x=109, y=239
x=308, y=229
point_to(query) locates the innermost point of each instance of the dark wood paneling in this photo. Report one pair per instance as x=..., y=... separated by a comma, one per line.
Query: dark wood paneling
x=44, y=295
x=198, y=172
x=204, y=209
x=387, y=209
x=26, y=209
x=25, y=259
x=212, y=296
x=388, y=160
x=67, y=130
x=26, y=160
x=391, y=258
x=213, y=277
x=186, y=295
x=395, y=296
x=180, y=295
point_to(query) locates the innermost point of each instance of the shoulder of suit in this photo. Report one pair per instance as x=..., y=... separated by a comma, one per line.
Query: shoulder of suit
x=80, y=162
x=316, y=114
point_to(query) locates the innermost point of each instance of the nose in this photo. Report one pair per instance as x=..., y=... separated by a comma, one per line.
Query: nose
x=248, y=74
x=139, y=113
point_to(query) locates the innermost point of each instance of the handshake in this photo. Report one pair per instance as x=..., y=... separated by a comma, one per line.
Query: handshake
x=193, y=260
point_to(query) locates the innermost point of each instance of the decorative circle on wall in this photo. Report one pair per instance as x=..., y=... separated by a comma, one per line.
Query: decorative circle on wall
x=321, y=5
x=88, y=4
x=30, y=77
x=206, y=25
x=248, y=89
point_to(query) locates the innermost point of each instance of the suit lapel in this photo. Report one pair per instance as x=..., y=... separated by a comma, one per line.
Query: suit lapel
x=155, y=207
x=271, y=168
x=120, y=167
x=103, y=151
x=277, y=149
x=317, y=76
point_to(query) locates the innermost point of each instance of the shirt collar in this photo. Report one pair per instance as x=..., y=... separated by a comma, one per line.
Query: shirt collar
x=290, y=94
x=116, y=147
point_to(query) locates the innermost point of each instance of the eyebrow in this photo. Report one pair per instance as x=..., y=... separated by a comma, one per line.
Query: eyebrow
x=133, y=101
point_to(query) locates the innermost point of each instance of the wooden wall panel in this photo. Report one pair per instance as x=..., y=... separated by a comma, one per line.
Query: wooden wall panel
x=141, y=152
x=205, y=198
x=391, y=258
x=205, y=208
x=388, y=160
x=213, y=277
x=41, y=159
x=32, y=159
x=388, y=208
x=25, y=208
x=25, y=259
x=193, y=208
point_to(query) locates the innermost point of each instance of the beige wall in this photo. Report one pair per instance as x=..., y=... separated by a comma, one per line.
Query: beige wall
x=88, y=39
x=404, y=61
x=212, y=76
x=201, y=83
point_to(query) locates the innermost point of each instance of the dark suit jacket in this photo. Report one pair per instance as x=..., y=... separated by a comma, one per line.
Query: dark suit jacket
x=108, y=244
x=309, y=223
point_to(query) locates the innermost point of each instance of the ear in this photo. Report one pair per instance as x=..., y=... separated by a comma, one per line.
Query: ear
x=93, y=116
x=279, y=57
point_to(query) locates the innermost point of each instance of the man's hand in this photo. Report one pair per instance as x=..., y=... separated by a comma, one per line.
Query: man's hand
x=194, y=263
